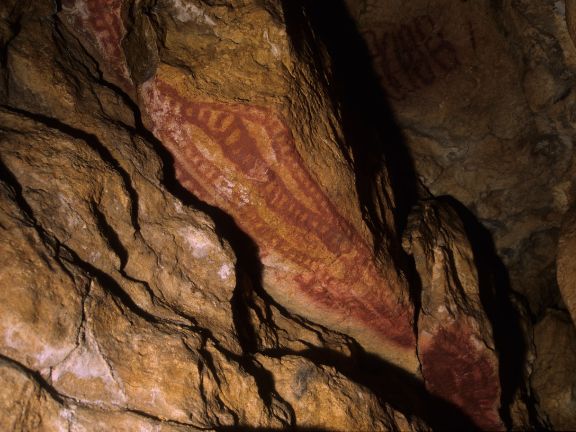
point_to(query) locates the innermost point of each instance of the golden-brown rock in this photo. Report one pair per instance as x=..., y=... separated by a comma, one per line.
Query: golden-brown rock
x=455, y=342
x=126, y=305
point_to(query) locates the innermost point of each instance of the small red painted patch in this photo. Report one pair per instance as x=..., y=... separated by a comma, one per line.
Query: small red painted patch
x=100, y=22
x=456, y=370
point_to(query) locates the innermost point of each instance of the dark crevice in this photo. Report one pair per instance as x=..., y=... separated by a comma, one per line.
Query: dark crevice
x=94, y=143
x=34, y=376
x=63, y=252
x=110, y=235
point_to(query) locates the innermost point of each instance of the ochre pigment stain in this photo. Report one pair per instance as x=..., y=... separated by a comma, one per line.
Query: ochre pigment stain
x=243, y=159
x=457, y=370
x=101, y=22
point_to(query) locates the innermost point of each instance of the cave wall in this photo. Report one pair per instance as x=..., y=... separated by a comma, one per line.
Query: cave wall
x=222, y=214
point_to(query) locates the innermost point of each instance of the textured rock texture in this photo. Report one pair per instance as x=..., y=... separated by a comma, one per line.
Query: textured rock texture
x=198, y=232
x=566, y=265
x=553, y=376
x=484, y=95
x=455, y=342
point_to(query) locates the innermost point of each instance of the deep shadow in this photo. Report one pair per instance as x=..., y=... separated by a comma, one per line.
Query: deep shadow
x=368, y=123
x=496, y=296
x=390, y=384
x=370, y=129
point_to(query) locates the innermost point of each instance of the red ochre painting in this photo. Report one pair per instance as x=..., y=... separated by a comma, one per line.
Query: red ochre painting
x=458, y=367
x=243, y=159
x=101, y=22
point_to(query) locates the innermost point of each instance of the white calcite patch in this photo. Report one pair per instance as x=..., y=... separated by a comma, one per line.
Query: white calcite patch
x=224, y=186
x=80, y=9
x=27, y=343
x=199, y=243
x=87, y=363
x=72, y=218
x=273, y=47
x=225, y=271
x=186, y=11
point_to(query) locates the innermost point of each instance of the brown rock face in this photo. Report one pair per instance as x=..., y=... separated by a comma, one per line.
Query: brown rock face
x=566, y=265
x=482, y=92
x=126, y=307
x=187, y=243
x=242, y=158
x=455, y=345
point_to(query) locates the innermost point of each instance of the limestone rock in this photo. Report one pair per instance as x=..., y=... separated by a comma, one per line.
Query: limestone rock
x=186, y=242
x=254, y=159
x=553, y=379
x=309, y=389
x=455, y=342
x=127, y=304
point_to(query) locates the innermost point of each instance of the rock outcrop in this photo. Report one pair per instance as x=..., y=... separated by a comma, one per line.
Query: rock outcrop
x=198, y=233
x=455, y=342
x=566, y=265
x=555, y=339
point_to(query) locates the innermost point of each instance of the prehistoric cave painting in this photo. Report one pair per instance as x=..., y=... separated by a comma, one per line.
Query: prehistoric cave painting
x=100, y=21
x=458, y=367
x=412, y=56
x=243, y=159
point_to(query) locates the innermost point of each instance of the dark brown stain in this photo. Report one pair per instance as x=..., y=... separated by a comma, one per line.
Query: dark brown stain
x=412, y=56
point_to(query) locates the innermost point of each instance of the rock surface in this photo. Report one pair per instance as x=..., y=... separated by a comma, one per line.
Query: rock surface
x=455, y=342
x=566, y=265
x=126, y=304
x=188, y=242
x=483, y=94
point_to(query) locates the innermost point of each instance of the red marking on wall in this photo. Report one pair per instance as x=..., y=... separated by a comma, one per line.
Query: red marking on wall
x=458, y=371
x=412, y=56
x=283, y=208
x=101, y=22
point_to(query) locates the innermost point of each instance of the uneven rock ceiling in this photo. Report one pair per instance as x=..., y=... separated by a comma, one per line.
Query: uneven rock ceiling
x=259, y=215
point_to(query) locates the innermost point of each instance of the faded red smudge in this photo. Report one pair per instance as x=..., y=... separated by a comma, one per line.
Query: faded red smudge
x=412, y=56
x=458, y=371
x=101, y=22
x=336, y=266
